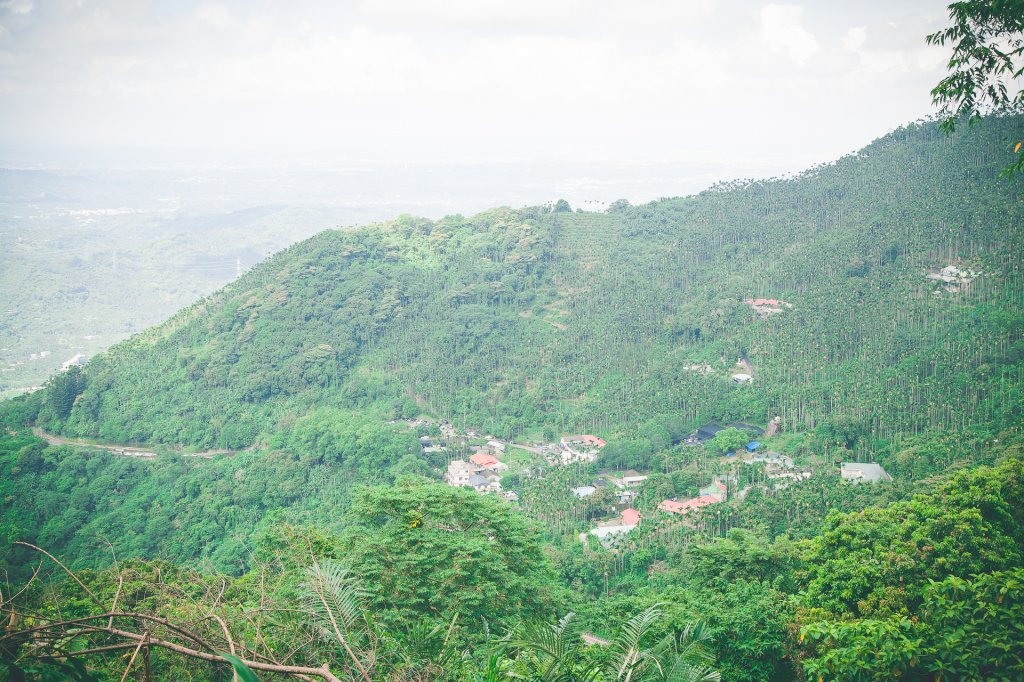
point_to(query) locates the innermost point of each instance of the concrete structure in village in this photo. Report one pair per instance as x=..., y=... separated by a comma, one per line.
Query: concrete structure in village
x=863, y=472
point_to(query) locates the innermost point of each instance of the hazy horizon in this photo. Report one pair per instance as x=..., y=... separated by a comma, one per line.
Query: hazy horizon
x=747, y=89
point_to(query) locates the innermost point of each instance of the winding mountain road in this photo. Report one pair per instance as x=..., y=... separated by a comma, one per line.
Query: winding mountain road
x=140, y=451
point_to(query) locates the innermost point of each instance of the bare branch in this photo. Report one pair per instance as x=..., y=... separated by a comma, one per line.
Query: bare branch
x=131, y=661
x=117, y=595
x=227, y=636
x=66, y=570
x=85, y=620
x=322, y=672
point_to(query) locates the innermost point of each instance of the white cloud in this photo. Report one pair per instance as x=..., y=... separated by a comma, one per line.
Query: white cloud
x=480, y=14
x=854, y=38
x=782, y=31
x=17, y=6
x=431, y=80
x=215, y=15
x=878, y=56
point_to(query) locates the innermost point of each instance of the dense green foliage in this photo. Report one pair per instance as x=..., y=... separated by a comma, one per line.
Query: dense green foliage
x=968, y=629
x=188, y=508
x=987, y=37
x=321, y=538
x=433, y=552
x=594, y=322
x=877, y=561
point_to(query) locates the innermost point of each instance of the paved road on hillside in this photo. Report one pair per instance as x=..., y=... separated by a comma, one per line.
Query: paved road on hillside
x=141, y=451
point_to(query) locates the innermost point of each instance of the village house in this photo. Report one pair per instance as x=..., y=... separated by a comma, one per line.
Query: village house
x=684, y=507
x=568, y=454
x=953, y=278
x=459, y=472
x=586, y=439
x=703, y=434
x=584, y=491
x=781, y=479
x=717, y=489
x=492, y=476
x=626, y=495
x=630, y=478
x=863, y=472
x=581, y=448
x=771, y=460
x=608, y=532
x=484, y=484
x=488, y=461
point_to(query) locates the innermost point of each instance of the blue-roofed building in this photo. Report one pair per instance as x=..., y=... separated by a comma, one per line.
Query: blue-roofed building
x=753, y=445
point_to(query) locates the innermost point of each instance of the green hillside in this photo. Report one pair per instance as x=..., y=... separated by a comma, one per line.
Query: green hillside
x=873, y=305
x=515, y=319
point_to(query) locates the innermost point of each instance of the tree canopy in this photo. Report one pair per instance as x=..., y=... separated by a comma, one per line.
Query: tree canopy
x=986, y=66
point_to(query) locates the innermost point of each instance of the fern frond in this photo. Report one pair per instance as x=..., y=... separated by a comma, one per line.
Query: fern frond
x=333, y=595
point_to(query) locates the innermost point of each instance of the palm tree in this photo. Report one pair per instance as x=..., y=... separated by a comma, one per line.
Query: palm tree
x=685, y=659
x=557, y=653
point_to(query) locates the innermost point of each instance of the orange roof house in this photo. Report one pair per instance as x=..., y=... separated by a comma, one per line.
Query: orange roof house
x=484, y=460
x=587, y=439
x=630, y=517
x=676, y=507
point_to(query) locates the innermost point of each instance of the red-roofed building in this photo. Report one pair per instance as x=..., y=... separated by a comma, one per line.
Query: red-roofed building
x=717, y=490
x=630, y=517
x=484, y=460
x=676, y=507
x=587, y=439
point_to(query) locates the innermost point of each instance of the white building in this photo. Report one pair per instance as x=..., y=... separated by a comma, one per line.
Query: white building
x=866, y=472
x=459, y=472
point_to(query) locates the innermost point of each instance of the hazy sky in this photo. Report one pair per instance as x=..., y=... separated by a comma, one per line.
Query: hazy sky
x=763, y=86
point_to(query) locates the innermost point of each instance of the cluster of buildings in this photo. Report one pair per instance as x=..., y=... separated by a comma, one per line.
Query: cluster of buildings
x=779, y=468
x=481, y=472
x=582, y=448
x=952, y=279
x=609, y=532
x=626, y=486
x=717, y=491
x=707, y=432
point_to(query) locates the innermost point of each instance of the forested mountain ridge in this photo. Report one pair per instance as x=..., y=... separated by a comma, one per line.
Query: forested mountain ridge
x=514, y=319
x=873, y=304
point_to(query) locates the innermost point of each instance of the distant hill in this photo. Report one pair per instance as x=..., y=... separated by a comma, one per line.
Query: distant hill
x=512, y=320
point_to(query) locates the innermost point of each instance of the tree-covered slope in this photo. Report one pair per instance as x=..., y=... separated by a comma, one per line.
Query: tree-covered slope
x=515, y=319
